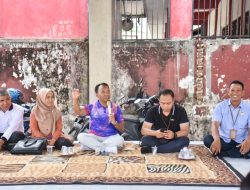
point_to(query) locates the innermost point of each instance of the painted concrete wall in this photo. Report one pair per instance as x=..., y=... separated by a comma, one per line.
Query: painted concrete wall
x=154, y=63
x=61, y=65
x=180, y=24
x=175, y=64
x=52, y=59
x=227, y=61
x=100, y=44
x=44, y=19
x=30, y=65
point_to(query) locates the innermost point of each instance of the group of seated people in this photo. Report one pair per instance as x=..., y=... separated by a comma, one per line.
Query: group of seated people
x=45, y=120
x=166, y=125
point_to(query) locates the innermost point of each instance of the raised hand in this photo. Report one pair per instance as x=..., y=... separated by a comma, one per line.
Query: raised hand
x=75, y=93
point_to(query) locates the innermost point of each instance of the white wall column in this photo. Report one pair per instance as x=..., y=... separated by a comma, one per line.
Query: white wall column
x=100, y=44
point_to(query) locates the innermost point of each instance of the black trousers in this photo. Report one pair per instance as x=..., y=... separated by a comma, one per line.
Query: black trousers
x=14, y=138
x=227, y=149
x=165, y=146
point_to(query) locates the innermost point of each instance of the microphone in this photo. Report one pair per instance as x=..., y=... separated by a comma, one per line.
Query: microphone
x=109, y=107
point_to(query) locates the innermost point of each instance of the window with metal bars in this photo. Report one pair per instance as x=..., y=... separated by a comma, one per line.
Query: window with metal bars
x=140, y=19
x=221, y=18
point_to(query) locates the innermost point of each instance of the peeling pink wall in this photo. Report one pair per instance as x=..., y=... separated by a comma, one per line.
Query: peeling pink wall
x=54, y=19
x=180, y=19
x=228, y=65
x=169, y=75
x=174, y=64
x=153, y=63
x=30, y=65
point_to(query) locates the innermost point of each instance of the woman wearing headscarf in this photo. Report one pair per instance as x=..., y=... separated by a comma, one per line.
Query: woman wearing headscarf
x=46, y=120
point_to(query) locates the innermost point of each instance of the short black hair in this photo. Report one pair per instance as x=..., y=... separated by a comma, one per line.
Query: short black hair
x=4, y=92
x=101, y=84
x=237, y=82
x=166, y=92
x=245, y=184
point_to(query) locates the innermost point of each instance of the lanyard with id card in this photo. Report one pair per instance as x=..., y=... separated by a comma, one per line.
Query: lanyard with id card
x=233, y=134
x=233, y=131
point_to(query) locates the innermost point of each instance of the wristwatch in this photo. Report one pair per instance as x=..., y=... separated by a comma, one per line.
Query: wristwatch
x=175, y=135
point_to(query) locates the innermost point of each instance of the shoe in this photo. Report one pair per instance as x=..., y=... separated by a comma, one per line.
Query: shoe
x=82, y=148
x=111, y=149
x=97, y=151
x=146, y=149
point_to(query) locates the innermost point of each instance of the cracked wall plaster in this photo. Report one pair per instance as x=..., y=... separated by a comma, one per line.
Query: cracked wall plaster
x=152, y=62
x=59, y=65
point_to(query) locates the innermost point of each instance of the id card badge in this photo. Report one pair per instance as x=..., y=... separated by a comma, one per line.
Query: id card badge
x=233, y=134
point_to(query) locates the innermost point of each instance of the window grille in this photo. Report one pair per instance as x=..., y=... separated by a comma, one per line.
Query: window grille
x=221, y=19
x=140, y=19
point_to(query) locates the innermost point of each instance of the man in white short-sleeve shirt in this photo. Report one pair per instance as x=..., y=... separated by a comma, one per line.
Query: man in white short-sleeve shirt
x=11, y=121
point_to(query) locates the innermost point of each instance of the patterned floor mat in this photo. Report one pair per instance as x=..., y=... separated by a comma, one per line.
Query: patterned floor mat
x=126, y=167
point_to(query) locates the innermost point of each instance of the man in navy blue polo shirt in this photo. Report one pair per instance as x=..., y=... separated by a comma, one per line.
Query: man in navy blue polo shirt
x=231, y=125
x=166, y=126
